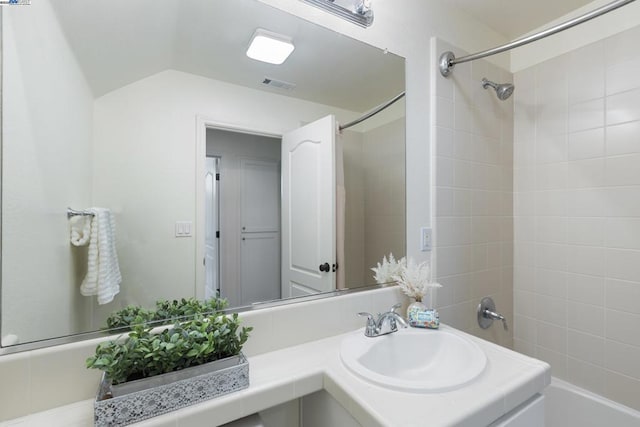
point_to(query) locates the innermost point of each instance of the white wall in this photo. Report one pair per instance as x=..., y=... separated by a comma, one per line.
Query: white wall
x=473, y=162
x=46, y=161
x=577, y=215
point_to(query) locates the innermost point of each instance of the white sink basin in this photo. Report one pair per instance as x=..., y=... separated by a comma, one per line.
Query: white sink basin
x=414, y=360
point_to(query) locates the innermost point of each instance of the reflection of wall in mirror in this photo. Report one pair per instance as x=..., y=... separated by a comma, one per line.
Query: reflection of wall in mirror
x=152, y=122
x=47, y=109
x=375, y=209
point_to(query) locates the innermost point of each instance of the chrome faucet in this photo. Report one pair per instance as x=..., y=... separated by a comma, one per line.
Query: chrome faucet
x=387, y=322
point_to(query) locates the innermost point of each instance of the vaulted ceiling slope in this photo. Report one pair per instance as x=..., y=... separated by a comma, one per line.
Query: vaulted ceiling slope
x=513, y=18
x=118, y=42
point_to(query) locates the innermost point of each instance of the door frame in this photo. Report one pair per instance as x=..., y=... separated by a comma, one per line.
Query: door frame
x=202, y=124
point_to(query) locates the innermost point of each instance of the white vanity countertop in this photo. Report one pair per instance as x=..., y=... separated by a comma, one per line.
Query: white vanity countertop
x=283, y=375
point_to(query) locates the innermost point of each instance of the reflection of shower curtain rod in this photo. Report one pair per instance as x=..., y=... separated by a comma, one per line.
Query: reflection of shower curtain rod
x=372, y=112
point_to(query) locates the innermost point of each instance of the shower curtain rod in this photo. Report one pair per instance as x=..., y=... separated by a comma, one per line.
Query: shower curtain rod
x=448, y=59
x=372, y=112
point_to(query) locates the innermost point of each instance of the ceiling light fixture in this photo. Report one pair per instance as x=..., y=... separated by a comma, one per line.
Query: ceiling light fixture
x=357, y=11
x=270, y=47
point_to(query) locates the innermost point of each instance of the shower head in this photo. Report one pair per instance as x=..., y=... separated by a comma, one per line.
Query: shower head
x=503, y=91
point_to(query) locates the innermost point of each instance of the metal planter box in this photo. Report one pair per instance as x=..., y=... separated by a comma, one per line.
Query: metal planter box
x=138, y=400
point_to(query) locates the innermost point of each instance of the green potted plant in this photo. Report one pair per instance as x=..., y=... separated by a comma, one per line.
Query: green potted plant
x=151, y=371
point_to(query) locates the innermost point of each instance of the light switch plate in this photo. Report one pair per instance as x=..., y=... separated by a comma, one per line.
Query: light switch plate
x=425, y=239
x=183, y=228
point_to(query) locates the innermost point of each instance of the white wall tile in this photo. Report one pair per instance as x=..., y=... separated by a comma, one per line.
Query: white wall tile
x=552, y=337
x=622, y=47
x=623, y=327
x=454, y=231
x=551, y=229
x=585, y=231
x=586, y=144
x=444, y=112
x=623, y=296
x=622, y=202
x=551, y=202
x=623, y=170
x=551, y=310
x=586, y=115
x=586, y=260
x=586, y=318
x=622, y=358
x=623, y=107
x=551, y=148
x=622, y=77
x=551, y=256
x=551, y=283
x=586, y=347
x=444, y=147
x=551, y=176
x=622, y=389
x=585, y=289
x=622, y=233
x=623, y=139
x=586, y=375
x=586, y=173
x=592, y=276
x=585, y=203
x=586, y=73
x=623, y=264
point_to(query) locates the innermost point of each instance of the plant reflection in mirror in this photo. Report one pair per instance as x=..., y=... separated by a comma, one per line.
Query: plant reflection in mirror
x=165, y=311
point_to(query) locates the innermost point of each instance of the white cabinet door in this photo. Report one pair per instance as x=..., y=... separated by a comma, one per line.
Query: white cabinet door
x=308, y=208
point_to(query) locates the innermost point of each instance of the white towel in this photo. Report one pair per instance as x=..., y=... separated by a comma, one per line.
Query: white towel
x=80, y=230
x=103, y=274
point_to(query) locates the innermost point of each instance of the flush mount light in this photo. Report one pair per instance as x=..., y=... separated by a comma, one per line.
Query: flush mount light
x=270, y=47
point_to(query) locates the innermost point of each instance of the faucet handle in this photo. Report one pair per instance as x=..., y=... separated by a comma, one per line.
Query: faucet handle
x=394, y=307
x=370, y=328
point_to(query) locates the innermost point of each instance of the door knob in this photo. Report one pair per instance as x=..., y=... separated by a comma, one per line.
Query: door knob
x=325, y=267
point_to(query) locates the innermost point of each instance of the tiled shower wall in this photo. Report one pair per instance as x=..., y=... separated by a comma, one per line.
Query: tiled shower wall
x=473, y=219
x=577, y=216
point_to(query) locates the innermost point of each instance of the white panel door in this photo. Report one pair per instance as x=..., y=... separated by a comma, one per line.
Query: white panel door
x=308, y=209
x=211, y=257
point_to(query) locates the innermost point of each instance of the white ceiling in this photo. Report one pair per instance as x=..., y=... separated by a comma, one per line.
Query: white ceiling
x=513, y=18
x=118, y=42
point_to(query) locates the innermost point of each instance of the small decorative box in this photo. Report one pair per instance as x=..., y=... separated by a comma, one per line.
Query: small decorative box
x=427, y=318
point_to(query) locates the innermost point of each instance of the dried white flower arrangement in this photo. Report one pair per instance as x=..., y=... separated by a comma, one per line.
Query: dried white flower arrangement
x=389, y=269
x=415, y=279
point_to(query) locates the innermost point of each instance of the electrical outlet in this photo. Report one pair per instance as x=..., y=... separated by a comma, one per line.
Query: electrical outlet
x=425, y=239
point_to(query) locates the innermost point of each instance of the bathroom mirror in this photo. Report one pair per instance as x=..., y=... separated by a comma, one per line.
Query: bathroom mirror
x=137, y=107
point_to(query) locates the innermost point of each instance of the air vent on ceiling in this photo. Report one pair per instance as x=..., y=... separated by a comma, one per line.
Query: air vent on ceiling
x=279, y=84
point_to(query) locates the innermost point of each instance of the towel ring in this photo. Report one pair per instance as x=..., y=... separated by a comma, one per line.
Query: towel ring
x=73, y=212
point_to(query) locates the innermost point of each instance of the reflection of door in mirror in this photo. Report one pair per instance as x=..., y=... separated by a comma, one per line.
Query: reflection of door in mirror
x=308, y=214
x=249, y=221
x=212, y=228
